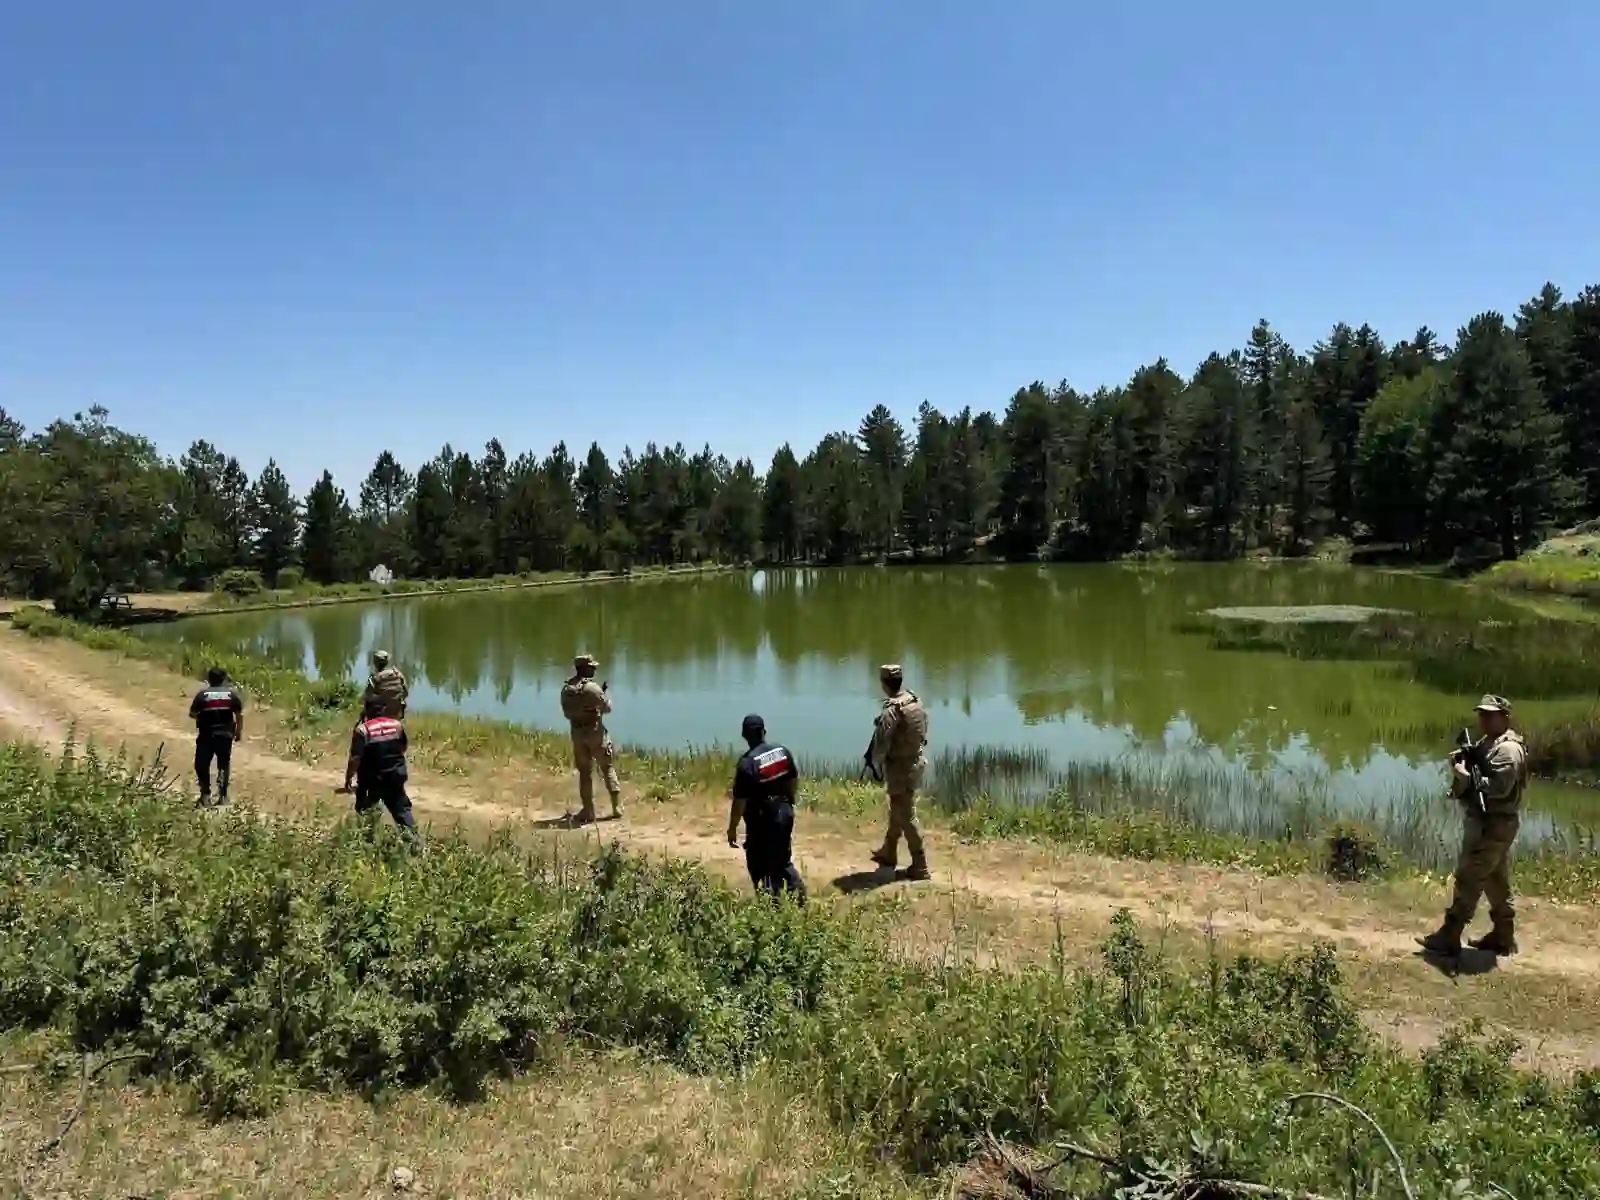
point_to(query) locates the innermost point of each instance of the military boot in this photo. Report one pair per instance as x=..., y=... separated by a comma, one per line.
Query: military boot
x=616, y=808
x=884, y=859
x=585, y=816
x=916, y=873
x=1444, y=942
x=1499, y=941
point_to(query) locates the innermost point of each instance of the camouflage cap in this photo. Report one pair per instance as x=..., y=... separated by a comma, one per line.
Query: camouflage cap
x=891, y=671
x=585, y=660
x=380, y=657
x=1493, y=703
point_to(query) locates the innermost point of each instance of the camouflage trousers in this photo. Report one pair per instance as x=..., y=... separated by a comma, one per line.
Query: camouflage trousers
x=903, y=821
x=1484, y=868
x=588, y=751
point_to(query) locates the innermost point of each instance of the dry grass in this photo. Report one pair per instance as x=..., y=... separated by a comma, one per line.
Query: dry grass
x=600, y=1127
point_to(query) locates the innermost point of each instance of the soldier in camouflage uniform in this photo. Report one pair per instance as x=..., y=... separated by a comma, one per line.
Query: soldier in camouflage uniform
x=388, y=685
x=897, y=756
x=585, y=704
x=1484, y=868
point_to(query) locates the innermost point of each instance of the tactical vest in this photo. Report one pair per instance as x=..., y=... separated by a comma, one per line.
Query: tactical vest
x=383, y=750
x=388, y=683
x=577, y=707
x=911, y=731
x=214, y=712
x=770, y=765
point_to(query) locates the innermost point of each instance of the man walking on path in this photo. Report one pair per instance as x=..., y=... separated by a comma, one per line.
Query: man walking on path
x=585, y=703
x=388, y=685
x=762, y=795
x=1488, y=778
x=217, y=711
x=377, y=765
x=897, y=756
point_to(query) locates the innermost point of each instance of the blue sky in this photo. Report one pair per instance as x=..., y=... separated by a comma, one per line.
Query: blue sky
x=313, y=229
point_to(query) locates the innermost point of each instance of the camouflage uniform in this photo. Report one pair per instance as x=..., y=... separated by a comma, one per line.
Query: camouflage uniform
x=388, y=685
x=899, y=742
x=584, y=703
x=1484, y=867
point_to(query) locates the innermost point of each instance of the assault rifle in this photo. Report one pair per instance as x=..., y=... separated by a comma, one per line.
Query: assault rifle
x=867, y=767
x=1471, y=756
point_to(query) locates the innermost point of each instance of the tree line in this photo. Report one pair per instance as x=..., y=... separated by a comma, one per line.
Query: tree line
x=1430, y=448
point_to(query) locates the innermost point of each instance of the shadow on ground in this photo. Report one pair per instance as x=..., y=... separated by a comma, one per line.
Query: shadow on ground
x=1468, y=962
x=863, y=881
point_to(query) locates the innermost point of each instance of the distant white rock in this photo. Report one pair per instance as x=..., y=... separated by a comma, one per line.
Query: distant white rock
x=381, y=574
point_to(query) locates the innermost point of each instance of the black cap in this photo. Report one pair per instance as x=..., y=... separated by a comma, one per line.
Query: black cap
x=753, y=726
x=216, y=675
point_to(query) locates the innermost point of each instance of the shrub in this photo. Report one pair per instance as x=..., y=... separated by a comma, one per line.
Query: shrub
x=236, y=581
x=1353, y=853
x=247, y=957
x=290, y=578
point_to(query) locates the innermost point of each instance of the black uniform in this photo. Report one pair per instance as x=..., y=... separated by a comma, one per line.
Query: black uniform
x=215, y=711
x=379, y=743
x=762, y=781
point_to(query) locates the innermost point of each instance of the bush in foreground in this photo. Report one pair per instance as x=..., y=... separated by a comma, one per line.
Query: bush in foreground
x=246, y=956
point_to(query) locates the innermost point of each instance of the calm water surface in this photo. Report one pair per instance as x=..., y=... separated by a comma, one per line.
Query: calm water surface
x=1082, y=662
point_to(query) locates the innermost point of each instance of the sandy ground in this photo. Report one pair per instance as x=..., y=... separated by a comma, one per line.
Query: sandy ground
x=997, y=902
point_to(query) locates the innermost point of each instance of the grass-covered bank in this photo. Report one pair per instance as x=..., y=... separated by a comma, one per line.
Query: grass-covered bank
x=247, y=960
x=1565, y=565
x=244, y=591
x=1176, y=810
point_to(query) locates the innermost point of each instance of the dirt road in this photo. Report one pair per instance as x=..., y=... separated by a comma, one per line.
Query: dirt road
x=992, y=902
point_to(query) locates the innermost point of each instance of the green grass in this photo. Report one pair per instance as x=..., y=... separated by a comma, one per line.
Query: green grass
x=241, y=959
x=308, y=593
x=1557, y=573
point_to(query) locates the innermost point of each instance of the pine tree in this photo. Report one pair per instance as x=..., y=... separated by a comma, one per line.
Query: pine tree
x=1580, y=402
x=736, y=515
x=1498, y=474
x=492, y=472
x=1307, y=474
x=883, y=451
x=430, y=522
x=1032, y=470
x=385, y=504
x=1266, y=376
x=327, y=547
x=11, y=431
x=274, y=522
x=596, y=490
x=780, y=507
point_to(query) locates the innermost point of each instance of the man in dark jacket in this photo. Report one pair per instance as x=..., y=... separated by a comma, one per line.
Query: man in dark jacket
x=377, y=764
x=763, y=793
x=217, y=711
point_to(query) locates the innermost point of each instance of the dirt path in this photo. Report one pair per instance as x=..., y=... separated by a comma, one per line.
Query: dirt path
x=1001, y=900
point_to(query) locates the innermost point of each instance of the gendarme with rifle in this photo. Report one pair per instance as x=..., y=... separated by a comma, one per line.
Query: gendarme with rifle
x=1488, y=775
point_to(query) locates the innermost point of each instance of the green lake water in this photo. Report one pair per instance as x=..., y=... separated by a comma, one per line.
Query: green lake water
x=1081, y=663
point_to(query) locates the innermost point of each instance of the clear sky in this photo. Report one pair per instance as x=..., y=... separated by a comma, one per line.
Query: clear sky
x=312, y=229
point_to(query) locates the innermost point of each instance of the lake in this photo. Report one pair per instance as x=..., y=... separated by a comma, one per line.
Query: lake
x=1080, y=663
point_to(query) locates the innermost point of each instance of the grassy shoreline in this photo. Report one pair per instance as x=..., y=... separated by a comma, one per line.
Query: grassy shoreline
x=1121, y=809
x=246, y=962
x=316, y=595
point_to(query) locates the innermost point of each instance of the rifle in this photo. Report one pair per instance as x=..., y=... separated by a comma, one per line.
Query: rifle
x=1471, y=755
x=866, y=764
